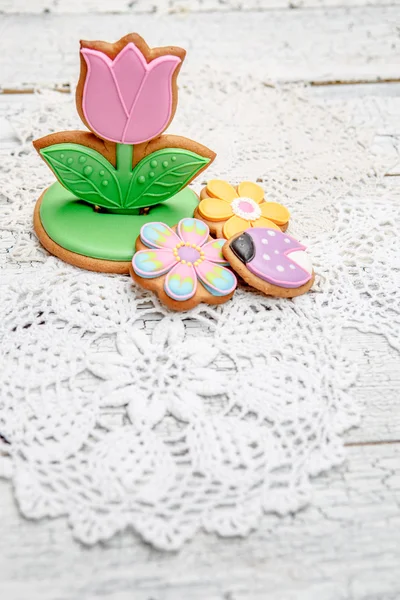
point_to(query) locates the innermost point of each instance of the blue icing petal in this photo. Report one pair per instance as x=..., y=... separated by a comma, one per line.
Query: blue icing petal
x=145, y=261
x=221, y=243
x=154, y=234
x=193, y=226
x=224, y=283
x=178, y=287
x=190, y=223
x=212, y=291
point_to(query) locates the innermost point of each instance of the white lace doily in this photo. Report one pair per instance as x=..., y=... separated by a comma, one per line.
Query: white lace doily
x=117, y=413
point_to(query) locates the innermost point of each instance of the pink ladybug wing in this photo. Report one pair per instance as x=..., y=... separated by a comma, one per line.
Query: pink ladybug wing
x=277, y=258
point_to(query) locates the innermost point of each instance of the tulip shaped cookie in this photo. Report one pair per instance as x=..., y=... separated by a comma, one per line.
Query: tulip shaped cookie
x=270, y=261
x=124, y=172
x=183, y=265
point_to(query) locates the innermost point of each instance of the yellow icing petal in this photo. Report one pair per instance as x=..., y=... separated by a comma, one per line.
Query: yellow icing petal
x=221, y=189
x=275, y=212
x=215, y=209
x=233, y=226
x=263, y=222
x=251, y=190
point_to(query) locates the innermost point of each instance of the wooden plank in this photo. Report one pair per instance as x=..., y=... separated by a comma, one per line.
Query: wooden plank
x=344, y=547
x=322, y=45
x=173, y=6
x=377, y=390
x=374, y=108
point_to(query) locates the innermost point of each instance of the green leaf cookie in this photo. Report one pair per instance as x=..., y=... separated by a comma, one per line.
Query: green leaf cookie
x=85, y=173
x=161, y=175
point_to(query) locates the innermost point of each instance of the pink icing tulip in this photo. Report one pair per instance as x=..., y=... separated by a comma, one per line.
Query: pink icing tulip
x=128, y=100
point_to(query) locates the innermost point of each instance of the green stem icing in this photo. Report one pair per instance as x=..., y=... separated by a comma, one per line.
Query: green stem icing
x=124, y=167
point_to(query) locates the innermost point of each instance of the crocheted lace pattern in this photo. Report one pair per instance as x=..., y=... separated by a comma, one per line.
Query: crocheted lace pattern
x=116, y=412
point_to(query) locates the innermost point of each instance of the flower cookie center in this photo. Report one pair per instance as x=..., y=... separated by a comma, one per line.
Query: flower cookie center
x=246, y=208
x=188, y=254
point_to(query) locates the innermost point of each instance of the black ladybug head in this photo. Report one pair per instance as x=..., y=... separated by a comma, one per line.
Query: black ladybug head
x=243, y=247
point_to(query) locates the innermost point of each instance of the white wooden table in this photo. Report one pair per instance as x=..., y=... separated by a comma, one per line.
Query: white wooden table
x=346, y=545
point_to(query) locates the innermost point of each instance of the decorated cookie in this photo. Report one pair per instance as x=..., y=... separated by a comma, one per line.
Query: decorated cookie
x=270, y=261
x=228, y=210
x=123, y=172
x=183, y=265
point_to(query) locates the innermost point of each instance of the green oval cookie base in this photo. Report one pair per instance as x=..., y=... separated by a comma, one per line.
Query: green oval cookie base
x=76, y=226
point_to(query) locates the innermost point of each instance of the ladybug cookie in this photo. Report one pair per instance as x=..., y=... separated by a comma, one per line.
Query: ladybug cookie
x=270, y=261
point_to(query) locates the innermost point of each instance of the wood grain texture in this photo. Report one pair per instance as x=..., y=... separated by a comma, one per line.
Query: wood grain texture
x=172, y=6
x=323, y=45
x=344, y=547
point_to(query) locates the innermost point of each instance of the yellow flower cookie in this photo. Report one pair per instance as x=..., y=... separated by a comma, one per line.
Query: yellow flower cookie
x=229, y=211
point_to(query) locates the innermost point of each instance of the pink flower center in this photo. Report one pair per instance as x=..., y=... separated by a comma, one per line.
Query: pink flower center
x=188, y=254
x=246, y=208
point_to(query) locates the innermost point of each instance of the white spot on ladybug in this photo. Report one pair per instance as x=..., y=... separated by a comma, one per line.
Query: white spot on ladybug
x=292, y=267
x=266, y=257
x=276, y=251
x=280, y=268
x=264, y=241
x=271, y=233
x=287, y=240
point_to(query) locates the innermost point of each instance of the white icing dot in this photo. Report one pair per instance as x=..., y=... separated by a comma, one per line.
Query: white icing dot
x=271, y=232
x=276, y=251
x=292, y=267
x=287, y=240
x=264, y=241
x=266, y=257
x=280, y=268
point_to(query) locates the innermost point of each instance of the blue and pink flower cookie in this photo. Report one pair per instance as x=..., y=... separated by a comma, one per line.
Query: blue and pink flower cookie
x=183, y=264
